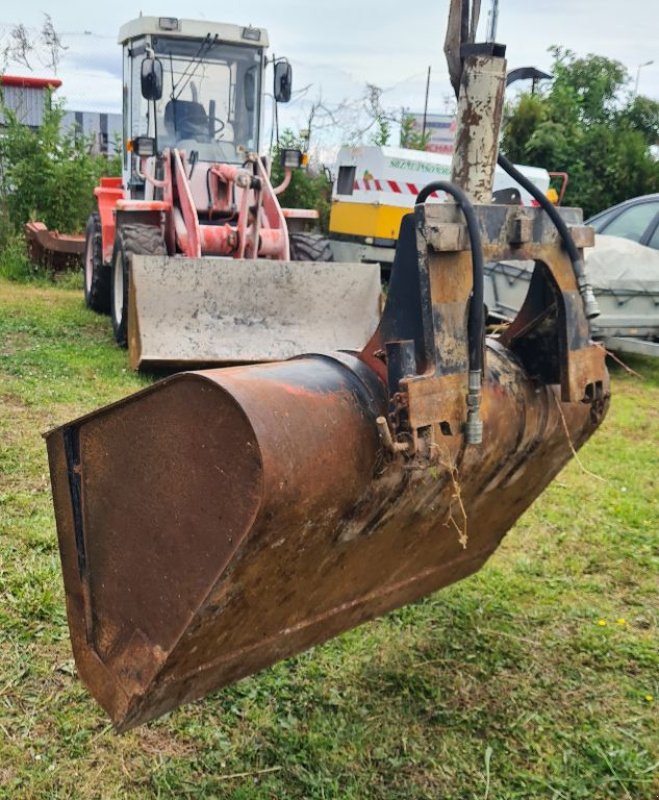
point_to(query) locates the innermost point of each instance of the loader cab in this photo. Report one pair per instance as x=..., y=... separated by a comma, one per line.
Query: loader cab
x=209, y=100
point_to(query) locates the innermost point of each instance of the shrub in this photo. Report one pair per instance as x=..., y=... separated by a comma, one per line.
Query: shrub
x=47, y=175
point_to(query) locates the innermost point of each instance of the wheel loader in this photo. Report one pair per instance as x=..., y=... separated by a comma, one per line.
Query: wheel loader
x=189, y=250
x=221, y=520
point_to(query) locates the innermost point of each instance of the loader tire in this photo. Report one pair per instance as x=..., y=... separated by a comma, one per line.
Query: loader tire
x=310, y=247
x=139, y=239
x=97, y=275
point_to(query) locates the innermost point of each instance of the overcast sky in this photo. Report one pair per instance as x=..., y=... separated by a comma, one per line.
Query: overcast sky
x=337, y=47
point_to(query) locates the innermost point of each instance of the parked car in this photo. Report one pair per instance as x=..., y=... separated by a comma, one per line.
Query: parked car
x=623, y=268
x=636, y=219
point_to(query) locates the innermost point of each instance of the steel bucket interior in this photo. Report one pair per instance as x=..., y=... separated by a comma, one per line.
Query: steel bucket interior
x=191, y=312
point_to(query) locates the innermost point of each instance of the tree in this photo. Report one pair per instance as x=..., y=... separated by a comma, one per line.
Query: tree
x=359, y=121
x=22, y=46
x=587, y=125
x=47, y=174
x=410, y=136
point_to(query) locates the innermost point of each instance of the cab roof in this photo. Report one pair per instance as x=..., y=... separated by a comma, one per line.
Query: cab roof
x=193, y=29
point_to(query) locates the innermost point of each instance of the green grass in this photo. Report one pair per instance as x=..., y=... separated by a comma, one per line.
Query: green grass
x=506, y=685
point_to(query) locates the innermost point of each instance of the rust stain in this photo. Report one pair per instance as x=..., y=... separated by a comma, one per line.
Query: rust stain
x=219, y=521
x=307, y=528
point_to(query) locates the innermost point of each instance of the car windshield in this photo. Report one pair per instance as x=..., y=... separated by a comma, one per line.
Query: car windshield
x=630, y=223
x=210, y=100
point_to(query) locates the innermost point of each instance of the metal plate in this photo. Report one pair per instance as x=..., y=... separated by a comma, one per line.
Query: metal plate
x=224, y=311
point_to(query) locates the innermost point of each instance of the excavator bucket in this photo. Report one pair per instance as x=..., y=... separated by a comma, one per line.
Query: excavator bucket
x=207, y=311
x=219, y=521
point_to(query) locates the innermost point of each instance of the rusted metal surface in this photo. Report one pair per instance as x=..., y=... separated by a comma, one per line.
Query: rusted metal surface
x=231, y=518
x=52, y=249
x=480, y=104
x=461, y=29
x=428, y=306
x=222, y=520
x=507, y=234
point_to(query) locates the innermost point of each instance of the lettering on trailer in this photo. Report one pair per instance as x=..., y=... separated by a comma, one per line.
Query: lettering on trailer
x=419, y=166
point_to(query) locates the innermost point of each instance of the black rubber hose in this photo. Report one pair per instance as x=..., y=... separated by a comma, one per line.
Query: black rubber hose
x=476, y=321
x=585, y=290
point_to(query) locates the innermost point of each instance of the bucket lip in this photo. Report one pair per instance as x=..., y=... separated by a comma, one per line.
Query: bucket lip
x=157, y=385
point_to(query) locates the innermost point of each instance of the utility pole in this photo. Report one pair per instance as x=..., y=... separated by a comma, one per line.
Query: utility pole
x=425, y=106
x=493, y=21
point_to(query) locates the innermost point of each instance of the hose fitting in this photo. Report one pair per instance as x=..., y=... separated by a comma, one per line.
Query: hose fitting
x=474, y=423
x=591, y=308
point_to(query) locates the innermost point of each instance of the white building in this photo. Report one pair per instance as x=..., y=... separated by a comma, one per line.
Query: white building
x=29, y=97
x=103, y=130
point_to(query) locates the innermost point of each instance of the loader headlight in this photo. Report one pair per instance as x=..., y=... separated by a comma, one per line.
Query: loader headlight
x=252, y=34
x=291, y=159
x=168, y=23
x=143, y=146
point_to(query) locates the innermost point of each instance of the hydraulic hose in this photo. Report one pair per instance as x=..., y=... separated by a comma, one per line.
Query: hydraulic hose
x=585, y=290
x=476, y=319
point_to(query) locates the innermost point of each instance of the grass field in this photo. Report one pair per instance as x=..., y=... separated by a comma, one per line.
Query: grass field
x=536, y=678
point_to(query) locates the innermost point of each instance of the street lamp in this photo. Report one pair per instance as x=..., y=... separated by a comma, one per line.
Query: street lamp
x=638, y=74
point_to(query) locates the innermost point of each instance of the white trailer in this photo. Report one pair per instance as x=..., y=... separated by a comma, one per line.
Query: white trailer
x=375, y=187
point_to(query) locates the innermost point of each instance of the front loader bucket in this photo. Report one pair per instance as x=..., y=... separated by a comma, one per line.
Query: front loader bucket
x=205, y=311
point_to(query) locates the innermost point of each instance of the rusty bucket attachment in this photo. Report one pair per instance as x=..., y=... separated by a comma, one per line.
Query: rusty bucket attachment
x=219, y=521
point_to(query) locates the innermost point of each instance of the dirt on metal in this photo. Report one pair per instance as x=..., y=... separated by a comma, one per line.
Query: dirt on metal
x=250, y=513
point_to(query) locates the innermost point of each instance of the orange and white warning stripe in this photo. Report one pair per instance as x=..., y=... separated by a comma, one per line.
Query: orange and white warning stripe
x=397, y=187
